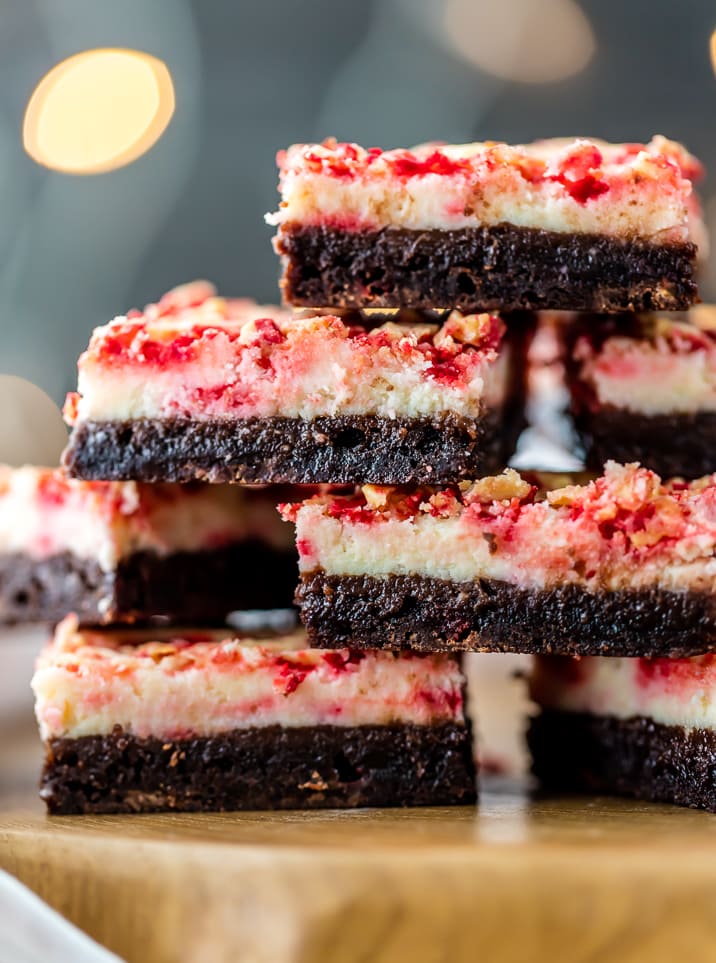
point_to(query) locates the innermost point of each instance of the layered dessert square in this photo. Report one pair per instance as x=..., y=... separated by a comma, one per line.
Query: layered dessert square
x=124, y=551
x=205, y=392
x=636, y=727
x=561, y=224
x=643, y=388
x=621, y=565
x=191, y=721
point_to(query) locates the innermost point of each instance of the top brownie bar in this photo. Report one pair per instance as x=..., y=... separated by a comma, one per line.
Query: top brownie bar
x=560, y=224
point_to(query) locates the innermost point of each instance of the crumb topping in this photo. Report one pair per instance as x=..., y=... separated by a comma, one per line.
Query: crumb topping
x=585, y=169
x=629, y=508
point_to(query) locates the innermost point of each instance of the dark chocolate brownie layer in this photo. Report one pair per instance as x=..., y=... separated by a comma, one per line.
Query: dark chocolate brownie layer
x=500, y=268
x=319, y=767
x=669, y=444
x=431, y=614
x=188, y=587
x=631, y=757
x=348, y=449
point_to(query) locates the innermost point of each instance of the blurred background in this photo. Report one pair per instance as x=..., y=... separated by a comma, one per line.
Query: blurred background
x=249, y=78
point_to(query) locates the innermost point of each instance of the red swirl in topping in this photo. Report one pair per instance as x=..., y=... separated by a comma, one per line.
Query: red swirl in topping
x=584, y=169
x=578, y=171
x=676, y=673
x=628, y=509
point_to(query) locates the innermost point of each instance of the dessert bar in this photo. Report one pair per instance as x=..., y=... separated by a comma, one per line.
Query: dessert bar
x=643, y=388
x=204, y=393
x=561, y=224
x=622, y=565
x=637, y=727
x=191, y=721
x=123, y=551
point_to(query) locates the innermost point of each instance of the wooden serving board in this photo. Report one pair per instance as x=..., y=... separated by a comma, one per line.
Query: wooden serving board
x=515, y=880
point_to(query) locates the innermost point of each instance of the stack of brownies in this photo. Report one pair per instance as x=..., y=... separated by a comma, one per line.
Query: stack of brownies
x=433, y=262
x=160, y=709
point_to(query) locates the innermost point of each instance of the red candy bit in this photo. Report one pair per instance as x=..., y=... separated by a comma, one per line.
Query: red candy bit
x=684, y=340
x=230, y=396
x=132, y=342
x=120, y=338
x=353, y=509
x=444, y=504
x=304, y=545
x=666, y=673
x=292, y=674
x=444, y=366
x=289, y=510
x=344, y=160
x=408, y=165
x=179, y=349
x=409, y=506
x=52, y=490
x=575, y=171
x=70, y=409
x=224, y=656
x=492, y=336
x=446, y=372
x=342, y=658
x=531, y=168
x=269, y=332
x=381, y=339
x=443, y=701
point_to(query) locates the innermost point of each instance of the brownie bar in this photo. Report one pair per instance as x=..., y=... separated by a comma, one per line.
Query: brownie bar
x=670, y=444
x=438, y=615
x=317, y=767
x=190, y=587
x=483, y=269
x=630, y=757
x=349, y=449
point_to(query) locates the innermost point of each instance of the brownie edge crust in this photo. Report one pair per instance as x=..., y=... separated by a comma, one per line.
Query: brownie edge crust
x=503, y=268
x=191, y=587
x=432, y=614
x=575, y=752
x=669, y=444
x=345, y=449
x=316, y=767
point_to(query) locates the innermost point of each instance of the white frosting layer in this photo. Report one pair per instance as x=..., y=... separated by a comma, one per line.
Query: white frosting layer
x=643, y=198
x=651, y=378
x=43, y=513
x=85, y=683
x=543, y=555
x=318, y=370
x=679, y=692
x=624, y=530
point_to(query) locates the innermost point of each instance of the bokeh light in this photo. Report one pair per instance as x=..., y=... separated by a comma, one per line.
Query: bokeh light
x=31, y=429
x=521, y=40
x=98, y=110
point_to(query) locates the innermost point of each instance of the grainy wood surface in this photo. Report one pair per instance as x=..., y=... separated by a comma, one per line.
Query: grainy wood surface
x=515, y=881
x=579, y=880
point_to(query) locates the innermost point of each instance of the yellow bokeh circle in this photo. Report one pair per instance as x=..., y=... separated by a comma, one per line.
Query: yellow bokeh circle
x=98, y=110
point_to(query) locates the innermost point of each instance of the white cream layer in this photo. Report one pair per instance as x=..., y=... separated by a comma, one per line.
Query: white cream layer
x=108, y=521
x=313, y=376
x=545, y=552
x=83, y=687
x=647, y=378
x=679, y=692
